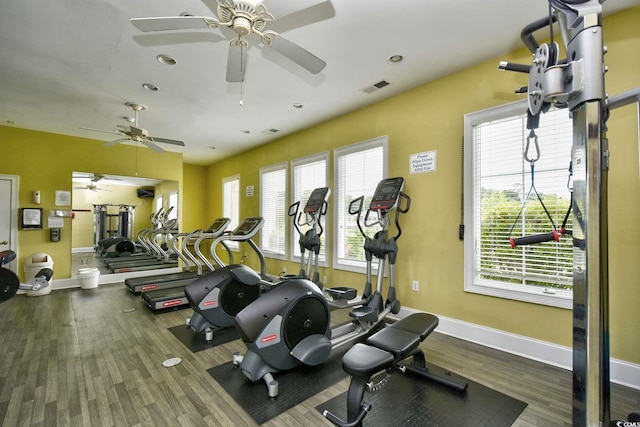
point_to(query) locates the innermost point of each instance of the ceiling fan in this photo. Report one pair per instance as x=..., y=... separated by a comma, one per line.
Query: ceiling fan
x=244, y=17
x=137, y=134
x=92, y=185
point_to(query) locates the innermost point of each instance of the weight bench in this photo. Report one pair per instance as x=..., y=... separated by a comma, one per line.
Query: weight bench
x=385, y=350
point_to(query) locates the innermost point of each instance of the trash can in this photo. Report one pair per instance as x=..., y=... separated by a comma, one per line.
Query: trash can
x=32, y=266
x=89, y=278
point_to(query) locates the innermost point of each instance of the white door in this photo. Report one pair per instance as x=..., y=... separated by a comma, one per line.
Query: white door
x=9, y=215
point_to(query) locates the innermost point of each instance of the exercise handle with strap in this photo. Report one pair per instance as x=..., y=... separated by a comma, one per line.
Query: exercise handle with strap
x=535, y=238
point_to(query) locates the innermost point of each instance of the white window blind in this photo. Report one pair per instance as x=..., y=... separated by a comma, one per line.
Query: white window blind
x=308, y=174
x=358, y=169
x=504, y=204
x=273, y=208
x=231, y=204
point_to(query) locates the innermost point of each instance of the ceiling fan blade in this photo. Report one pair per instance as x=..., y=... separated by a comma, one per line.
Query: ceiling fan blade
x=237, y=60
x=167, y=23
x=102, y=130
x=297, y=54
x=114, y=142
x=153, y=146
x=167, y=141
x=280, y=8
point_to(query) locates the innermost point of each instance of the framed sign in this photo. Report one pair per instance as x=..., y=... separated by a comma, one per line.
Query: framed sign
x=31, y=218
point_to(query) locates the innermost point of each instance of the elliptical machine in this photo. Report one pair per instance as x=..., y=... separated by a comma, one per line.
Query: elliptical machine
x=290, y=326
x=313, y=211
x=218, y=296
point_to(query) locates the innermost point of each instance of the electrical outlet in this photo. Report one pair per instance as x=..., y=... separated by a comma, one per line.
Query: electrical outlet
x=415, y=285
x=324, y=280
x=284, y=270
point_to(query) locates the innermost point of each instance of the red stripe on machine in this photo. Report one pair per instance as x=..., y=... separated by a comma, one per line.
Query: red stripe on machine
x=208, y=303
x=269, y=338
x=172, y=303
x=147, y=287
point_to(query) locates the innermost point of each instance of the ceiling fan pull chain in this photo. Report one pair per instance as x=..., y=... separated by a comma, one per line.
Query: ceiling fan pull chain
x=241, y=93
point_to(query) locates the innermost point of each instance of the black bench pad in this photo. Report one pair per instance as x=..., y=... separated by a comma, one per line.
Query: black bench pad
x=363, y=360
x=421, y=324
x=396, y=341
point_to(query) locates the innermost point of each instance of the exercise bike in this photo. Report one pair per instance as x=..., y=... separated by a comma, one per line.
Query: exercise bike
x=290, y=326
x=10, y=282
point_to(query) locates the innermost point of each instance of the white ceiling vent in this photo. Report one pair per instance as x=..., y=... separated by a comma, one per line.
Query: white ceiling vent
x=376, y=86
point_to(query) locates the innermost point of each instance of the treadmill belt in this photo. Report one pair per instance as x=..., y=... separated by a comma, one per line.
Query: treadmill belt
x=408, y=400
x=196, y=342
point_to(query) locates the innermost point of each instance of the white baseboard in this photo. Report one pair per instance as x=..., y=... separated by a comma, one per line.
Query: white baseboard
x=74, y=282
x=621, y=372
x=81, y=250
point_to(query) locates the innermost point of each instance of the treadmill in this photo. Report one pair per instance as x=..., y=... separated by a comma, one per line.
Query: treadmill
x=163, y=281
x=175, y=297
x=164, y=259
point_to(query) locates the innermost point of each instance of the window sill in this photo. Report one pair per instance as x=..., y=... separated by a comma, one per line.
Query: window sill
x=560, y=299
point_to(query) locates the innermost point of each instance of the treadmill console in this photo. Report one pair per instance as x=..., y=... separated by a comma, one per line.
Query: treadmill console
x=387, y=193
x=317, y=199
x=218, y=225
x=249, y=227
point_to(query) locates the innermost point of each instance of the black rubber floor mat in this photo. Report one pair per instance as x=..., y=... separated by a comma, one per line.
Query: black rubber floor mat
x=295, y=386
x=196, y=342
x=407, y=400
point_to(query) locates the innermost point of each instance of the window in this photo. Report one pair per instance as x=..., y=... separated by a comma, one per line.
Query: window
x=173, y=202
x=358, y=169
x=308, y=174
x=500, y=203
x=231, y=204
x=273, y=208
x=159, y=205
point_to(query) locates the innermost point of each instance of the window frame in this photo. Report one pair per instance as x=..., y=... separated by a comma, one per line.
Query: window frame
x=268, y=252
x=338, y=153
x=323, y=259
x=233, y=245
x=473, y=284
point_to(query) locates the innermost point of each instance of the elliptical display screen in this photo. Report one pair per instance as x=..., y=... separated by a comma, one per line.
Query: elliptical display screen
x=316, y=200
x=386, y=194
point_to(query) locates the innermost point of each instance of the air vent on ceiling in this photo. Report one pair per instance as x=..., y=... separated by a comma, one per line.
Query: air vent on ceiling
x=272, y=130
x=376, y=86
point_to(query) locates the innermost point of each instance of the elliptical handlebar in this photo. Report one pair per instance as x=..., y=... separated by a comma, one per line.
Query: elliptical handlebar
x=357, y=211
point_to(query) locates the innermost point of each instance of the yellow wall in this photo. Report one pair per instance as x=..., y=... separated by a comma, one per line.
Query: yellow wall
x=45, y=162
x=194, y=190
x=430, y=117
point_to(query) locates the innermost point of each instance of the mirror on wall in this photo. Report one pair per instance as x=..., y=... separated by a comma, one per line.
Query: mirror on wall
x=107, y=205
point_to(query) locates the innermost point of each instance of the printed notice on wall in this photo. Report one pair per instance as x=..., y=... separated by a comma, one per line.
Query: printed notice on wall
x=63, y=198
x=422, y=162
x=248, y=191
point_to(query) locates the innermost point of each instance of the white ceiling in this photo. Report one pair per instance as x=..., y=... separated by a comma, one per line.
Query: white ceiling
x=68, y=64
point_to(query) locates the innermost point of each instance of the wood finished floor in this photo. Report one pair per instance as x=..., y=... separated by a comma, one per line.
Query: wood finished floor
x=74, y=358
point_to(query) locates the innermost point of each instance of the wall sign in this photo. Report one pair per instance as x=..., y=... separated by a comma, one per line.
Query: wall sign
x=422, y=162
x=31, y=218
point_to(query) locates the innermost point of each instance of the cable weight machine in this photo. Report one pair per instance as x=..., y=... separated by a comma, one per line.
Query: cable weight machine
x=577, y=83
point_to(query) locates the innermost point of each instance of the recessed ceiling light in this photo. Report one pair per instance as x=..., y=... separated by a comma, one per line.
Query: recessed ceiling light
x=394, y=59
x=297, y=105
x=150, y=86
x=165, y=59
